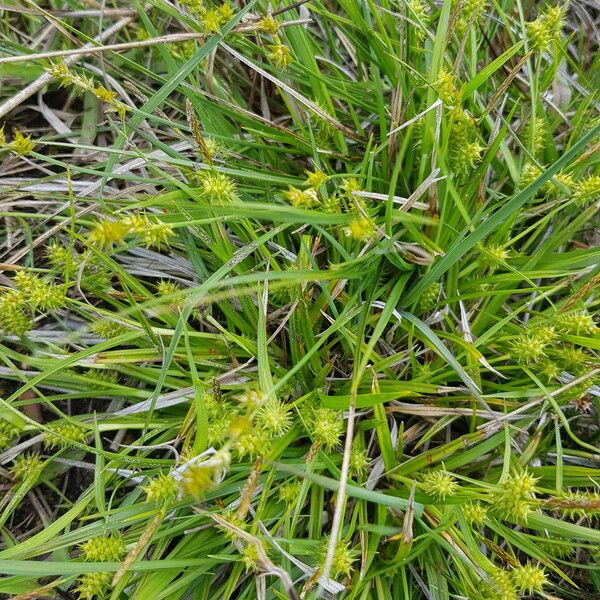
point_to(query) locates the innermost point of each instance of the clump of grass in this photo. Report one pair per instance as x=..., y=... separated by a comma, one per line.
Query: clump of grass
x=299, y=301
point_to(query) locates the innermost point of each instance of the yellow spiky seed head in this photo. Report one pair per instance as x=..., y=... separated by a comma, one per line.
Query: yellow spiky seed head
x=251, y=399
x=502, y=586
x=515, y=498
x=576, y=323
x=274, y=417
x=528, y=349
x=250, y=557
x=197, y=480
x=475, y=513
x=8, y=432
x=26, y=466
x=529, y=578
x=61, y=257
x=105, y=233
x=136, y=222
x=63, y=433
x=572, y=358
x=350, y=185
x=587, y=190
x=359, y=461
x=577, y=504
x=13, y=316
x=439, y=484
x=93, y=585
x=360, y=228
x=550, y=371
x=279, y=54
x=315, y=179
x=252, y=444
x=529, y=174
x=217, y=187
x=225, y=12
x=104, y=548
x=157, y=235
x=430, y=297
x=446, y=88
x=343, y=558
x=289, y=492
x=161, y=489
x=108, y=329
x=21, y=144
x=327, y=427
x=298, y=197
x=211, y=21
x=268, y=24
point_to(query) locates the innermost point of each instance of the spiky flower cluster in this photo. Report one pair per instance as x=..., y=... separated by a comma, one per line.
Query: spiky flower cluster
x=268, y=24
x=470, y=12
x=198, y=475
x=279, y=54
x=92, y=585
x=106, y=232
x=151, y=232
x=465, y=150
x=475, y=513
x=529, y=579
x=430, y=297
x=419, y=9
x=503, y=587
x=274, y=417
x=62, y=258
x=289, y=492
x=250, y=557
x=161, y=489
x=26, y=467
x=100, y=549
x=108, y=329
x=571, y=358
x=32, y=296
x=105, y=548
x=217, y=187
x=264, y=419
x=528, y=348
x=515, y=498
x=8, y=432
x=530, y=173
x=63, y=433
x=64, y=261
x=587, y=190
x=343, y=558
x=195, y=7
x=439, y=484
x=359, y=461
x=545, y=30
x=535, y=132
x=169, y=289
x=493, y=254
x=296, y=197
x=360, y=227
x=576, y=323
x=326, y=427
x=315, y=179
x=20, y=145
x=446, y=88
x=66, y=77
x=577, y=504
x=213, y=19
